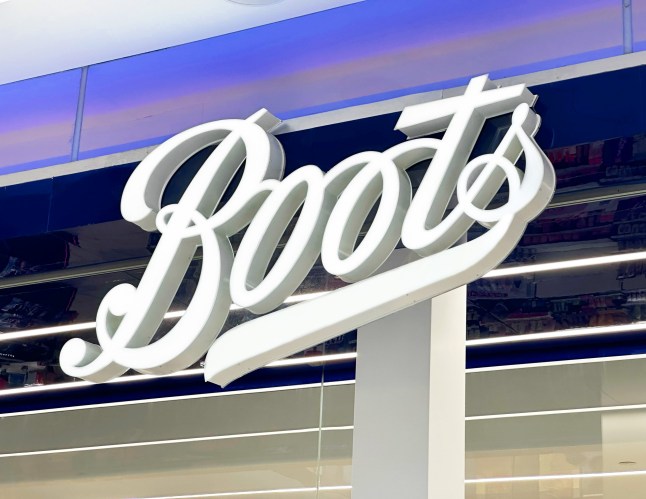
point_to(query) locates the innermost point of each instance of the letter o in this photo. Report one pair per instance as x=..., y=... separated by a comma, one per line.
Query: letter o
x=378, y=177
x=250, y=287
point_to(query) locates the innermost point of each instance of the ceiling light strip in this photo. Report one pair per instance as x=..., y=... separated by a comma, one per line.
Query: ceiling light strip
x=567, y=264
x=313, y=359
x=468, y=481
x=46, y=331
x=582, y=410
x=615, y=474
x=299, y=490
x=308, y=360
x=559, y=334
x=568, y=333
x=83, y=326
x=555, y=363
x=505, y=272
x=540, y=478
x=212, y=438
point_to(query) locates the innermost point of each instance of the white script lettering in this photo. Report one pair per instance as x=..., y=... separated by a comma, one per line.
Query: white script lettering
x=333, y=208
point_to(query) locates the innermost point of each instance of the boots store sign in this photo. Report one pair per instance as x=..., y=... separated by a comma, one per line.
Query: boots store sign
x=333, y=207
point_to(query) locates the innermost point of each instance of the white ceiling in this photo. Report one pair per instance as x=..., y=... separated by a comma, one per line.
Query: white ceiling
x=39, y=37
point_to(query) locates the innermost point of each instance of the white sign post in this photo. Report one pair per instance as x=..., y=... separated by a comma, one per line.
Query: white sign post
x=409, y=403
x=333, y=209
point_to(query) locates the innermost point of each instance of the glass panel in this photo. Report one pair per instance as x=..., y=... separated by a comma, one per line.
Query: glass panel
x=601, y=296
x=32, y=360
x=334, y=494
x=607, y=295
x=583, y=231
x=206, y=445
x=37, y=121
x=337, y=419
x=531, y=422
x=576, y=230
x=556, y=387
x=608, y=170
x=543, y=421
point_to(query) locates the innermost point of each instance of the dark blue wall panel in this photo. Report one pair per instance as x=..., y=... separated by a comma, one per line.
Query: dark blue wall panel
x=573, y=111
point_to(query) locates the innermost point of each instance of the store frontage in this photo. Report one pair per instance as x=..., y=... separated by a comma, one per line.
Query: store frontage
x=553, y=335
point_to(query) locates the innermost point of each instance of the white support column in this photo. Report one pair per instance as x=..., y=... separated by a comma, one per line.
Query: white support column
x=410, y=403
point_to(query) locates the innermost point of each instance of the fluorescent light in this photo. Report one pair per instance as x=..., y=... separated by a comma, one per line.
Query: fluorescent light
x=541, y=478
x=589, y=360
x=469, y=481
x=176, y=314
x=563, y=333
x=567, y=264
x=505, y=272
x=149, y=443
x=44, y=388
x=582, y=410
x=80, y=384
x=313, y=359
x=45, y=331
x=70, y=328
x=329, y=488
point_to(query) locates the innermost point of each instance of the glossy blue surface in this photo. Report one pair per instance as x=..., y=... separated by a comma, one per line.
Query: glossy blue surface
x=574, y=111
x=37, y=119
x=364, y=52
